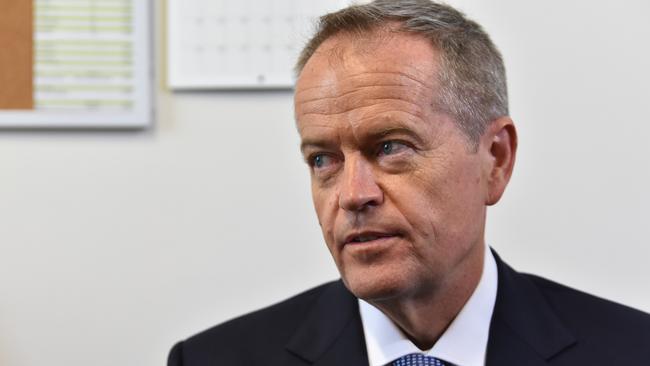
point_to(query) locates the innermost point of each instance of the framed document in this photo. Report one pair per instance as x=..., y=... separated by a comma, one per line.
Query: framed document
x=76, y=64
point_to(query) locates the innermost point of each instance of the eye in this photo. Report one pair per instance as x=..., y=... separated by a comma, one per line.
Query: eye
x=391, y=147
x=319, y=161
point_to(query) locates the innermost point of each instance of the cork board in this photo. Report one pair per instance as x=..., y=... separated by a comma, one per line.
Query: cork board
x=16, y=54
x=75, y=64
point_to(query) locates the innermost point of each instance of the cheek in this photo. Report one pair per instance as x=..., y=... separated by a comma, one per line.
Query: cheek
x=442, y=201
x=424, y=208
x=417, y=200
x=325, y=204
x=458, y=205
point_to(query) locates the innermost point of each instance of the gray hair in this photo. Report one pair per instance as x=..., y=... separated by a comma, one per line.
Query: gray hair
x=472, y=76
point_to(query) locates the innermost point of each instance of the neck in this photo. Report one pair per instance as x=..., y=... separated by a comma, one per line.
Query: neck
x=425, y=316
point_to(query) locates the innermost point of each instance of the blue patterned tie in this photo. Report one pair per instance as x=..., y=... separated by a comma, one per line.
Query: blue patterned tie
x=418, y=359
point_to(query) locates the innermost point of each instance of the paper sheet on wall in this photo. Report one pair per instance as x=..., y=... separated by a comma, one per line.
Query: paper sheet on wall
x=91, y=65
x=216, y=44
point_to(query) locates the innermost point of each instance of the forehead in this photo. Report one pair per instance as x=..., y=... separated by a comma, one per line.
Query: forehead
x=351, y=80
x=348, y=61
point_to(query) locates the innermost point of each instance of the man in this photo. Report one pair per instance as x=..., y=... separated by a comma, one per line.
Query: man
x=402, y=112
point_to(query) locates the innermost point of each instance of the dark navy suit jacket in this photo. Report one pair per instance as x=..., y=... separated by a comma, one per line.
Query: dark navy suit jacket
x=535, y=322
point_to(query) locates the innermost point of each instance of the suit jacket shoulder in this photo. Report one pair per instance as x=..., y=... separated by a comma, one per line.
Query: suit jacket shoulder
x=535, y=322
x=540, y=322
x=618, y=332
x=310, y=328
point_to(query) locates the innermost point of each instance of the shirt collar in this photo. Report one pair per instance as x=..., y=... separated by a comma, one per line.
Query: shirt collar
x=464, y=342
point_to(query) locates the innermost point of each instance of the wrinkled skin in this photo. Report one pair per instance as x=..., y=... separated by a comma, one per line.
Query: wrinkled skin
x=399, y=191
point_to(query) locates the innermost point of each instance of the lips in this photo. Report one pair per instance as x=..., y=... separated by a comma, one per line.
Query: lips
x=367, y=236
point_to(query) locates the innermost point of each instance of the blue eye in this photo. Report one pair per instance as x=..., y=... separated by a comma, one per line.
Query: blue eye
x=391, y=147
x=387, y=147
x=320, y=160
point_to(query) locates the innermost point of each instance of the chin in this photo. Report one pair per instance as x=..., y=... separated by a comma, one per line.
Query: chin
x=370, y=286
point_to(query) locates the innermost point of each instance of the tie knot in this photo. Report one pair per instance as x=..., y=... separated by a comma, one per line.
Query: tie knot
x=418, y=359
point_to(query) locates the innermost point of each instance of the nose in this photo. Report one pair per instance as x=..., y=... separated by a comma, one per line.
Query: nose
x=358, y=187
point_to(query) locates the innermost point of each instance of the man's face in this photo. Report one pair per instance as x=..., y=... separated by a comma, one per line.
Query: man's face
x=399, y=192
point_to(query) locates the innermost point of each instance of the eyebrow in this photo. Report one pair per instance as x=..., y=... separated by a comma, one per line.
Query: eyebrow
x=390, y=131
x=371, y=136
x=313, y=143
x=393, y=131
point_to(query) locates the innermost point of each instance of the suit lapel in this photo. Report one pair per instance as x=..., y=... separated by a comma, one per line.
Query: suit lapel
x=524, y=329
x=331, y=333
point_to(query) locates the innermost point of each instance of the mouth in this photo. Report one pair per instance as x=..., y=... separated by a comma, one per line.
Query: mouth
x=368, y=237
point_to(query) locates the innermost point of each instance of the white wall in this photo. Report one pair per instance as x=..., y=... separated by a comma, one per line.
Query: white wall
x=115, y=245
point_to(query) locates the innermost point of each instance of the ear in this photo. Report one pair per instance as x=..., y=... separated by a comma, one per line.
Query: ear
x=500, y=147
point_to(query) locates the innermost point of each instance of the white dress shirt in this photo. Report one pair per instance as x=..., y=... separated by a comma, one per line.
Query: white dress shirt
x=464, y=342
